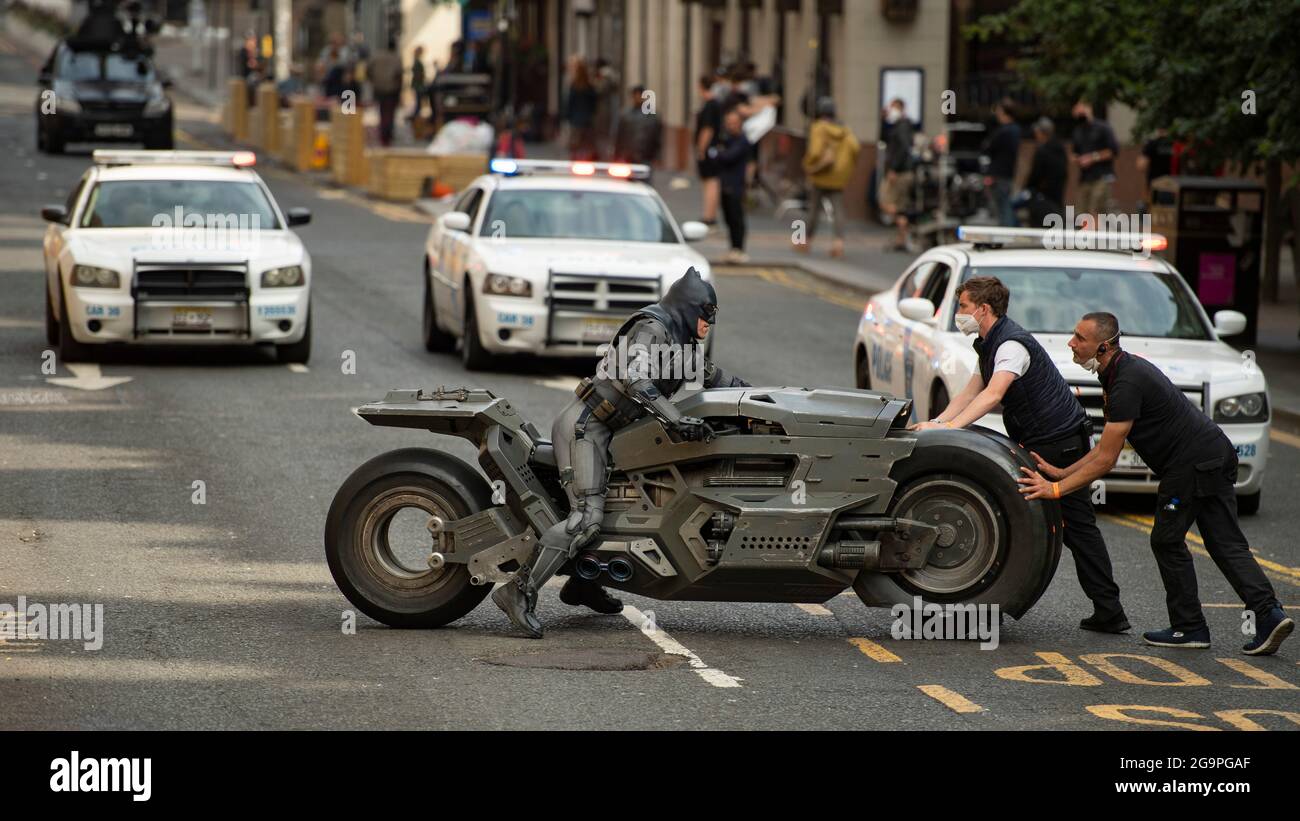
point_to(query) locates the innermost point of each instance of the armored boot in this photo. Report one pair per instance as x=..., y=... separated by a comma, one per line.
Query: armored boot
x=517, y=598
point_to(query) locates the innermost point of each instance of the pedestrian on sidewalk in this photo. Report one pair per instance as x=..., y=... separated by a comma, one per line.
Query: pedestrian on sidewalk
x=332, y=65
x=579, y=112
x=829, y=161
x=708, y=130
x=1003, y=150
x=731, y=155
x=1095, y=149
x=385, y=72
x=638, y=134
x=1047, y=175
x=896, y=193
x=419, y=82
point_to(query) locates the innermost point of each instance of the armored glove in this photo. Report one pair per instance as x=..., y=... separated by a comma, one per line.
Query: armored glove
x=692, y=429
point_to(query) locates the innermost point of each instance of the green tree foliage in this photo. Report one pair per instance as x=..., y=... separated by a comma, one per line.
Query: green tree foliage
x=1193, y=68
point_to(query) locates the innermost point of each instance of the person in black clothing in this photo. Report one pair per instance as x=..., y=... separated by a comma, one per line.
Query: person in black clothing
x=1197, y=466
x=731, y=157
x=708, y=130
x=1003, y=149
x=896, y=192
x=1157, y=158
x=1041, y=412
x=638, y=134
x=1047, y=175
x=1095, y=150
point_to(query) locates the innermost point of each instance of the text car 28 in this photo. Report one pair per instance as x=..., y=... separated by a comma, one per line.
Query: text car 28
x=175, y=247
x=549, y=258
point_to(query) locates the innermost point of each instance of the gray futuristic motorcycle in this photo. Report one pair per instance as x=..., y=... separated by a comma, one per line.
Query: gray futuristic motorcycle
x=800, y=493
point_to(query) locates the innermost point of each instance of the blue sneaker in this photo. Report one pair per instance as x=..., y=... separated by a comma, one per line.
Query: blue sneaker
x=1270, y=631
x=1169, y=637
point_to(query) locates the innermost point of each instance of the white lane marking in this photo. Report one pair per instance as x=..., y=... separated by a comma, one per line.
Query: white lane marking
x=86, y=377
x=559, y=383
x=10, y=322
x=814, y=609
x=297, y=367
x=673, y=647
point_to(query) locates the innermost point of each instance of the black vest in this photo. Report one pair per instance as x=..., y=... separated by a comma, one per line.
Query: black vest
x=1039, y=406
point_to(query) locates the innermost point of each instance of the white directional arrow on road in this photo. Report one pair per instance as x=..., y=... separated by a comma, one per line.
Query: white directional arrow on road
x=86, y=377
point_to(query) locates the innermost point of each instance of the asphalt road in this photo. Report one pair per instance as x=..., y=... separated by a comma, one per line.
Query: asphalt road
x=223, y=614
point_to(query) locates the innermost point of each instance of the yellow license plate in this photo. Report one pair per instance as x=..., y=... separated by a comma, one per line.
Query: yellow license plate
x=192, y=319
x=600, y=330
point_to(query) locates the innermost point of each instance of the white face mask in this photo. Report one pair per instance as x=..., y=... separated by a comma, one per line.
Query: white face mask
x=1092, y=365
x=894, y=115
x=967, y=324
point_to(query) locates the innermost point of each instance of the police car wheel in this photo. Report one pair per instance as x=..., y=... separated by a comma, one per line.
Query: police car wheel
x=435, y=339
x=1248, y=504
x=862, y=371
x=377, y=541
x=51, y=324
x=70, y=350
x=996, y=548
x=472, y=353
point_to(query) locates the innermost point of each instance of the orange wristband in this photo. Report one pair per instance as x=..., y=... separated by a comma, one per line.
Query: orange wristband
x=1056, y=490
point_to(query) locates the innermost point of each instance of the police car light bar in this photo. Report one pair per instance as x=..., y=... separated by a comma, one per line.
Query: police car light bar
x=991, y=236
x=622, y=171
x=236, y=159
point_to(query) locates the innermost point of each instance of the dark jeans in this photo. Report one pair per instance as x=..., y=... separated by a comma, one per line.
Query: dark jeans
x=1091, y=560
x=387, y=113
x=733, y=210
x=1001, y=194
x=1202, y=492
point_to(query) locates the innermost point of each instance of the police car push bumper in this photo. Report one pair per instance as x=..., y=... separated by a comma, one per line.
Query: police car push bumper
x=94, y=316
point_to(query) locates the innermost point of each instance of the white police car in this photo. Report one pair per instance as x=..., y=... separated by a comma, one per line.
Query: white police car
x=549, y=257
x=908, y=344
x=180, y=247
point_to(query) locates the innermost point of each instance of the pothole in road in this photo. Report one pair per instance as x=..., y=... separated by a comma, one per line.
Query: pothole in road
x=595, y=659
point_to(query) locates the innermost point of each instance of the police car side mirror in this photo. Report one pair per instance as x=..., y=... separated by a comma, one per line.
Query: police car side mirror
x=1229, y=323
x=298, y=216
x=455, y=221
x=694, y=231
x=917, y=309
x=55, y=213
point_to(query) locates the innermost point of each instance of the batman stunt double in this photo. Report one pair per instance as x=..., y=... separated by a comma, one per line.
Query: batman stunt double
x=648, y=361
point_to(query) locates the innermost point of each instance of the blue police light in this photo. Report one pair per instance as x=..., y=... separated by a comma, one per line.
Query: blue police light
x=503, y=165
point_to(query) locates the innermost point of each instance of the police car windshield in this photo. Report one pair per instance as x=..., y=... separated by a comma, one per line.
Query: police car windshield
x=197, y=203
x=1051, y=300
x=569, y=214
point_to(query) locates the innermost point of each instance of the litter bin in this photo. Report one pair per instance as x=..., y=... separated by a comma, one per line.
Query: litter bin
x=1214, y=226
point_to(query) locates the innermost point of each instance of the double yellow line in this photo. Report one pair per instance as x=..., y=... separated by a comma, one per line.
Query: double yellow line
x=1279, y=572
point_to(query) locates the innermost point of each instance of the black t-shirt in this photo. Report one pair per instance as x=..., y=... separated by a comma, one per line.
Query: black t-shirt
x=709, y=116
x=1095, y=136
x=1169, y=432
x=1004, y=149
x=1159, y=152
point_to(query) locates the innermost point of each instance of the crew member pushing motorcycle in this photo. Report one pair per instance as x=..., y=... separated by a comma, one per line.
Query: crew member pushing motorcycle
x=619, y=394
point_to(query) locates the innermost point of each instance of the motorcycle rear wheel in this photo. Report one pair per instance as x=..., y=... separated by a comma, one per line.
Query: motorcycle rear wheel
x=385, y=575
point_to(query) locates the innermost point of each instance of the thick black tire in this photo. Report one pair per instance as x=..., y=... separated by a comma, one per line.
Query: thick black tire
x=861, y=370
x=472, y=353
x=1248, y=504
x=51, y=323
x=1014, y=569
x=436, y=340
x=431, y=598
x=300, y=351
x=70, y=350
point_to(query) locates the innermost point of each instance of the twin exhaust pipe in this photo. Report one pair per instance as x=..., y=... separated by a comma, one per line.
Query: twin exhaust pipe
x=588, y=567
